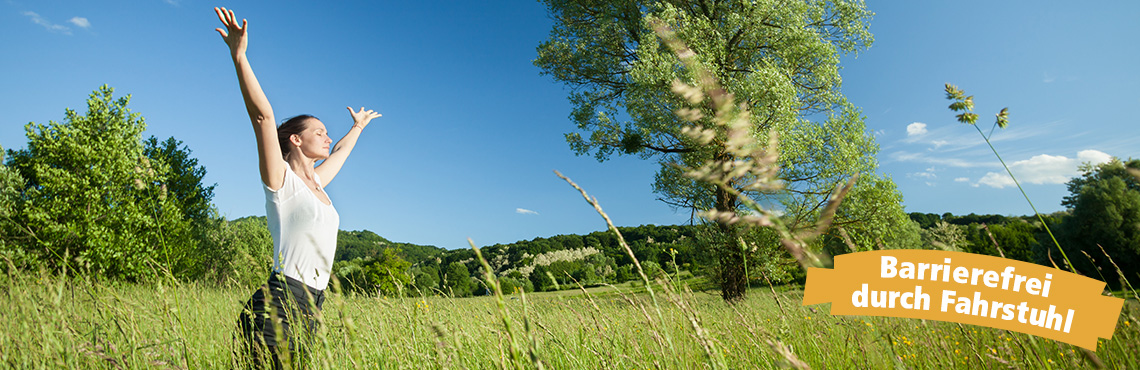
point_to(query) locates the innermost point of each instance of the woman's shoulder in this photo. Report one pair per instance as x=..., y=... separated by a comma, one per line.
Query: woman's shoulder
x=288, y=181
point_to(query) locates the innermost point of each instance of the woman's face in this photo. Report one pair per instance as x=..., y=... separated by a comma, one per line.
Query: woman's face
x=314, y=141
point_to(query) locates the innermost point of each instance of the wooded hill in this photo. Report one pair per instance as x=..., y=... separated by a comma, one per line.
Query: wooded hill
x=366, y=261
x=369, y=262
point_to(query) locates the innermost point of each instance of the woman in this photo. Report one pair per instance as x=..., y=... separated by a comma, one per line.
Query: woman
x=301, y=217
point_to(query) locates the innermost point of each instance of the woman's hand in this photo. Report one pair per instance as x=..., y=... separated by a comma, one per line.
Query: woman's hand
x=361, y=118
x=233, y=34
x=332, y=165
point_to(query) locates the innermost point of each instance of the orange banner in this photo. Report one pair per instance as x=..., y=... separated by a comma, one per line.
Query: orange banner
x=970, y=289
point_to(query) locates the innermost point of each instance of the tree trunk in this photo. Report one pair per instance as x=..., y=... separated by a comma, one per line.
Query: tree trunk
x=733, y=282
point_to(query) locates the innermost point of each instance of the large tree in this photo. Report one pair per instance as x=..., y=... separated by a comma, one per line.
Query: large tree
x=184, y=181
x=1105, y=206
x=780, y=59
x=91, y=199
x=12, y=232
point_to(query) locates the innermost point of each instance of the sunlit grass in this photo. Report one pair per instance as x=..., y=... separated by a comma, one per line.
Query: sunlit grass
x=52, y=322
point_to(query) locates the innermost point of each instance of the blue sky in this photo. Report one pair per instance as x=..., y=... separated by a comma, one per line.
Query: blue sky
x=471, y=131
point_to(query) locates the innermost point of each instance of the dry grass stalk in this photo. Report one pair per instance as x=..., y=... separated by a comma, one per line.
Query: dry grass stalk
x=991, y=235
x=1123, y=280
x=715, y=358
x=789, y=358
x=621, y=240
x=516, y=356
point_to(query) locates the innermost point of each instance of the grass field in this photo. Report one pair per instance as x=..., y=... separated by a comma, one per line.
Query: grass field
x=51, y=322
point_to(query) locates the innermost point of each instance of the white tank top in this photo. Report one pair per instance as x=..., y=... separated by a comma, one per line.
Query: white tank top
x=304, y=231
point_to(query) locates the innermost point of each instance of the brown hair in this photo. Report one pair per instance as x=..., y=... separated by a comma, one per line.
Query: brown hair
x=292, y=126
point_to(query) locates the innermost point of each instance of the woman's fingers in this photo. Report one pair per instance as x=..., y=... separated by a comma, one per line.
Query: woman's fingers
x=226, y=16
x=221, y=31
x=229, y=19
x=369, y=114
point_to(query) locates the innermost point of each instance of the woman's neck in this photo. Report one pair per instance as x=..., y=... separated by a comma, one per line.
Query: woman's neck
x=301, y=164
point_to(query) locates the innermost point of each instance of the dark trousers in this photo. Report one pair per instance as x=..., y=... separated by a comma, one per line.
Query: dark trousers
x=278, y=322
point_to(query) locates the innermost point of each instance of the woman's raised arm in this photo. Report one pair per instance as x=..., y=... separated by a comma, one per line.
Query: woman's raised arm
x=260, y=112
x=331, y=166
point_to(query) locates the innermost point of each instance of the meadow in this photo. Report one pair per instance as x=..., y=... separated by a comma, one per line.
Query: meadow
x=50, y=322
x=84, y=321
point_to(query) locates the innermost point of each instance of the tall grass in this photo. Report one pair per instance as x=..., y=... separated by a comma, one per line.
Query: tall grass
x=965, y=104
x=52, y=322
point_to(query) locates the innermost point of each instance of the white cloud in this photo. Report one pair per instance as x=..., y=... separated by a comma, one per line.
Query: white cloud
x=80, y=22
x=939, y=143
x=961, y=179
x=524, y=211
x=1093, y=156
x=925, y=175
x=995, y=180
x=37, y=19
x=902, y=156
x=915, y=129
x=928, y=174
x=1044, y=169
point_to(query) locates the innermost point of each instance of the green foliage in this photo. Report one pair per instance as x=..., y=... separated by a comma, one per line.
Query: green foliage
x=184, y=181
x=541, y=279
x=600, y=267
x=236, y=252
x=385, y=274
x=565, y=272
x=364, y=244
x=973, y=218
x=1092, y=175
x=1105, y=205
x=512, y=285
x=1021, y=238
x=872, y=217
x=94, y=201
x=944, y=236
x=352, y=245
x=925, y=220
x=425, y=280
x=457, y=281
x=624, y=273
x=1017, y=239
x=12, y=233
x=779, y=60
x=908, y=235
x=653, y=270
